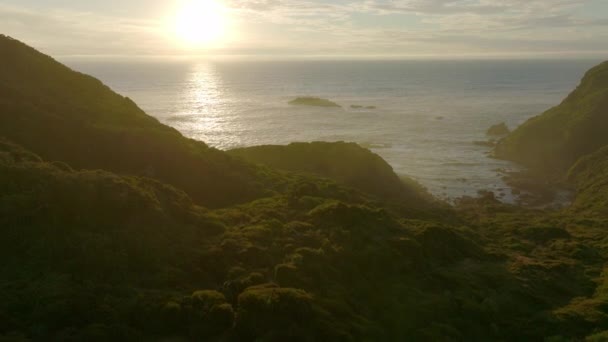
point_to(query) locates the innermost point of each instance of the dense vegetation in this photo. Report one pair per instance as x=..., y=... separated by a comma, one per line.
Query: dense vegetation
x=590, y=176
x=211, y=247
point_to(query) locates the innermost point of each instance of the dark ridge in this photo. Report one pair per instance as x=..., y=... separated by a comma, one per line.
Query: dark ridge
x=67, y=116
x=347, y=163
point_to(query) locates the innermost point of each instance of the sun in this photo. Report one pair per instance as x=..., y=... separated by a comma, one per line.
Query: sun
x=200, y=23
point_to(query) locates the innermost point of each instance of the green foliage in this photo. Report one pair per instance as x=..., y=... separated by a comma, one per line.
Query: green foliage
x=208, y=314
x=275, y=314
x=598, y=337
x=590, y=176
x=117, y=255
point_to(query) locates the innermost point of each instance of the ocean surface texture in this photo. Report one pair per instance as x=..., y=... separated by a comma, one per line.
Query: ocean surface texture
x=427, y=114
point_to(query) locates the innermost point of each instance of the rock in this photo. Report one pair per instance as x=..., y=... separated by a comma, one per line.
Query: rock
x=313, y=101
x=498, y=130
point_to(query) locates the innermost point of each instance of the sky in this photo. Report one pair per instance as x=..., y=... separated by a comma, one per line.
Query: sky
x=357, y=28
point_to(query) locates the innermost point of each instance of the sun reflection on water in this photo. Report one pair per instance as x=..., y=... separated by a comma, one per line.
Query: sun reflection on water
x=204, y=113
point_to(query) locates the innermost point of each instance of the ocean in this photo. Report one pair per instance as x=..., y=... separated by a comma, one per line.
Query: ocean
x=426, y=116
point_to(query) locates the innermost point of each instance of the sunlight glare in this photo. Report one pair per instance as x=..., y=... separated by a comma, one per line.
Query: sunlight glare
x=200, y=23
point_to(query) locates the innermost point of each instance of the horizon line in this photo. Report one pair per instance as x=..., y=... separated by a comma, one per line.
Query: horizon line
x=548, y=55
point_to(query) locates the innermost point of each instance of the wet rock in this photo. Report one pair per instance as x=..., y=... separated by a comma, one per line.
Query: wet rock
x=498, y=130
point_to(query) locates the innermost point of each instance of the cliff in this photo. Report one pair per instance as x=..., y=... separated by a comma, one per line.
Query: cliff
x=556, y=139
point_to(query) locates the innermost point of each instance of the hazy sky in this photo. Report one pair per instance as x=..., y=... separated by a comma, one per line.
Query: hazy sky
x=538, y=28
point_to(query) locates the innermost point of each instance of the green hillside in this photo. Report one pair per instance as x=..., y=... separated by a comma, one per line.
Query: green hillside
x=556, y=139
x=590, y=176
x=347, y=163
x=67, y=116
x=89, y=255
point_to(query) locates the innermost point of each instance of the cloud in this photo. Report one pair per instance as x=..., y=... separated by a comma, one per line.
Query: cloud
x=488, y=7
x=354, y=27
x=453, y=26
x=71, y=32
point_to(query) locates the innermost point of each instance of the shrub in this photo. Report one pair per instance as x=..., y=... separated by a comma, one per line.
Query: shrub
x=280, y=313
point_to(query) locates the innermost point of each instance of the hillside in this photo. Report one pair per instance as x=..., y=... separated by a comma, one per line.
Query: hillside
x=115, y=227
x=556, y=139
x=347, y=163
x=66, y=116
x=590, y=176
x=90, y=255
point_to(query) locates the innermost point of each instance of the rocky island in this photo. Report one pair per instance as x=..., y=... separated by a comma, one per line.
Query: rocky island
x=313, y=101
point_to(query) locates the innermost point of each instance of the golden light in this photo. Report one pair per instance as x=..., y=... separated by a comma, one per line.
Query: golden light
x=200, y=23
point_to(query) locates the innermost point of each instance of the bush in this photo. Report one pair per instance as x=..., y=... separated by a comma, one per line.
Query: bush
x=208, y=313
x=277, y=313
